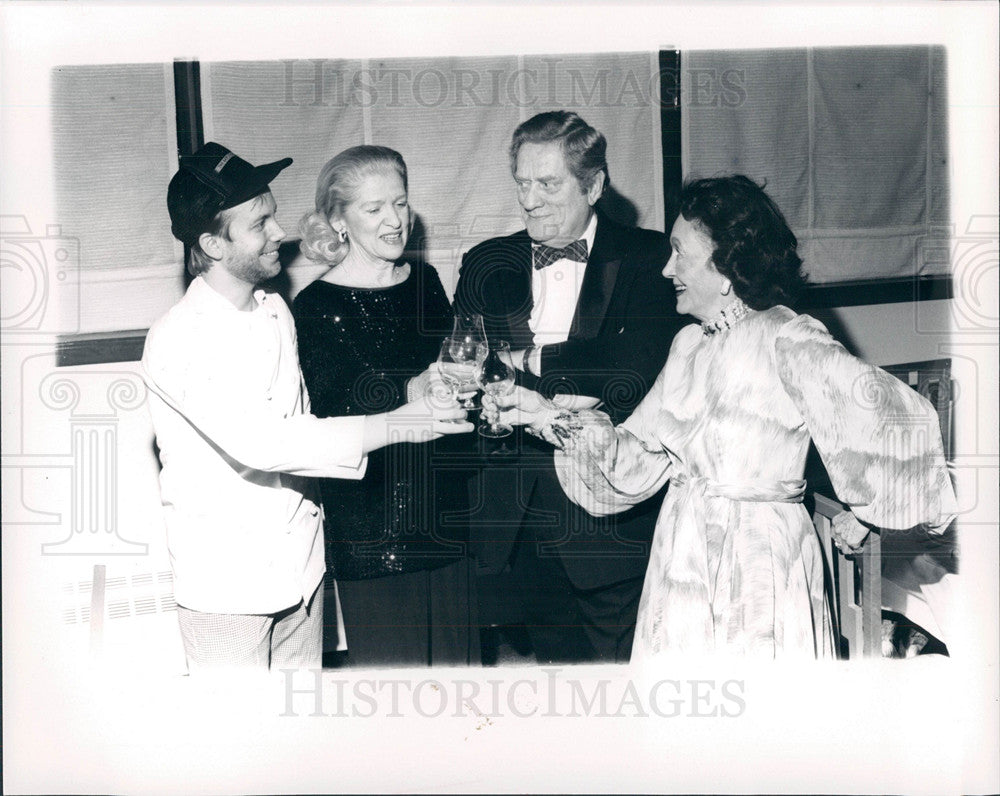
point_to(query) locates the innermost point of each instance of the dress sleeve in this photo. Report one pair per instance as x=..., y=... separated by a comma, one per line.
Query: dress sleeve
x=879, y=440
x=606, y=469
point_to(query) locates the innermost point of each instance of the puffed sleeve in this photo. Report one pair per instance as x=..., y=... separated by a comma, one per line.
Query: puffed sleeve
x=879, y=440
x=606, y=469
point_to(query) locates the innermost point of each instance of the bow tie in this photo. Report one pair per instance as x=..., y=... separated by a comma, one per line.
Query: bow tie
x=546, y=255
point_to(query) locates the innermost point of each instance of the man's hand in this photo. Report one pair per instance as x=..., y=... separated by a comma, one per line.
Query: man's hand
x=425, y=419
x=430, y=383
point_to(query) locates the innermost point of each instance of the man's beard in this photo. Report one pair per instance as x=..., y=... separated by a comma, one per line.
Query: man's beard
x=251, y=269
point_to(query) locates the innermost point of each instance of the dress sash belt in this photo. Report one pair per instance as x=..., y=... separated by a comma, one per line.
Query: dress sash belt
x=790, y=491
x=690, y=572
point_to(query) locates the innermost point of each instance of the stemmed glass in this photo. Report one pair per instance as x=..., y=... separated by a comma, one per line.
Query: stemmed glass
x=497, y=378
x=469, y=353
x=469, y=328
x=470, y=333
x=458, y=364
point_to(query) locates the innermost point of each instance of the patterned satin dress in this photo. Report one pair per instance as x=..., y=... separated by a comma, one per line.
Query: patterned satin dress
x=736, y=566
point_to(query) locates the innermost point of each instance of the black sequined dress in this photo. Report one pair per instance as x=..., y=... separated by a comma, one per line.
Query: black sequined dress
x=358, y=347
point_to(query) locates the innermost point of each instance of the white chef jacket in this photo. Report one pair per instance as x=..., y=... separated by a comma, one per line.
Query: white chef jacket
x=231, y=415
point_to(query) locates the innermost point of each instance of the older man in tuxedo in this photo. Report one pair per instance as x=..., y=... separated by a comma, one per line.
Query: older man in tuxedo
x=590, y=319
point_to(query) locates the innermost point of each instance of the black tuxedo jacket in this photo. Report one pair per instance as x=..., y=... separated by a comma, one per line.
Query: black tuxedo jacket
x=621, y=332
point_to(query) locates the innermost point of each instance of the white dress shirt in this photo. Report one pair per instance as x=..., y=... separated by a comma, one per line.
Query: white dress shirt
x=232, y=422
x=555, y=291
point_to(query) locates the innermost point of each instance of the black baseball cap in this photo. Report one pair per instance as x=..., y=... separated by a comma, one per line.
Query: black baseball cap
x=211, y=180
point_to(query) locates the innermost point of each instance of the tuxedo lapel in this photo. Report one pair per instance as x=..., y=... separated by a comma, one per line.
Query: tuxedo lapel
x=598, y=283
x=514, y=288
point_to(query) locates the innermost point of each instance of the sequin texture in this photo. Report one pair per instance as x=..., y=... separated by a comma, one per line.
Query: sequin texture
x=358, y=348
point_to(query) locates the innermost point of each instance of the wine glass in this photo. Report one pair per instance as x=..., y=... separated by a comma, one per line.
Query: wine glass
x=470, y=354
x=497, y=378
x=458, y=367
x=469, y=328
x=470, y=331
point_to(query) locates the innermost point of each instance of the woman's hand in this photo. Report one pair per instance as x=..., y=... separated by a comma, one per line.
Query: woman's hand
x=848, y=532
x=520, y=407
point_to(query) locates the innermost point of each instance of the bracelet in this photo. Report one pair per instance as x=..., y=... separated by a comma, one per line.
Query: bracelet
x=557, y=434
x=526, y=359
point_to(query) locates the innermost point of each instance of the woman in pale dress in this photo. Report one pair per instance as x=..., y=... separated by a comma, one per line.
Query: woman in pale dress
x=736, y=566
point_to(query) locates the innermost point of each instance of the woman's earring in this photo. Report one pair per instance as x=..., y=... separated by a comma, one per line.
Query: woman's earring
x=342, y=234
x=728, y=288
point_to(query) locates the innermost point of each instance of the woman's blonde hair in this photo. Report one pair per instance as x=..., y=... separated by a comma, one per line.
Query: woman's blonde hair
x=336, y=187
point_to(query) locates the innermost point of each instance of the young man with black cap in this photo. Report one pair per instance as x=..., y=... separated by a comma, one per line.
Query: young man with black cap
x=237, y=442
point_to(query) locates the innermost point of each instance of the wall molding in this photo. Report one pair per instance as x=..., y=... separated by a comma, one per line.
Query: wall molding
x=896, y=290
x=100, y=348
x=126, y=346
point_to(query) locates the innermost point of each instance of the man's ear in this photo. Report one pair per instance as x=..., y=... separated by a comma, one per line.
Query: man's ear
x=596, y=188
x=211, y=245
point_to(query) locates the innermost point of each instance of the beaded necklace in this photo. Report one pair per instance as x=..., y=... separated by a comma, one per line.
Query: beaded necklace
x=731, y=314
